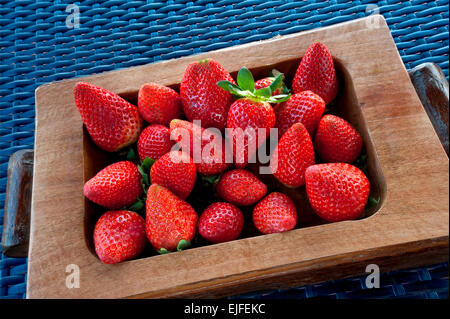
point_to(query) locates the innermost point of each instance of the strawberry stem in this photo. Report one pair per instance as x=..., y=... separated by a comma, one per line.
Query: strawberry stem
x=183, y=244
x=163, y=251
x=371, y=202
x=246, y=88
x=131, y=154
x=137, y=206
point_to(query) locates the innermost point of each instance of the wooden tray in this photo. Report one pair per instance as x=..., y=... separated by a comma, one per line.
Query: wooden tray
x=407, y=165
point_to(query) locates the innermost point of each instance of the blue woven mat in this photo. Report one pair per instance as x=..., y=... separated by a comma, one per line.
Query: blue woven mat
x=37, y=47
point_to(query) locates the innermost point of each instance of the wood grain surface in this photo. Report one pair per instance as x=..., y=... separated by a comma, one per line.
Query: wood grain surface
x=410, y=228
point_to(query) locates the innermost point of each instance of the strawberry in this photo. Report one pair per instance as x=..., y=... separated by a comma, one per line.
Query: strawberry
x=245, y=118
x=170, y=221
x=305, y=107
x=176, y=171
x=158, y=104
x=154, y=142
x=241, y=187
x=337, y=141
x=316, y=73
x=276, y=213
x=206, y=147
x=112, y=122
x=115, y=186
x=119, y=236
x=201, y=98
x=337, y=191
x=250, y=114
x=221, y=222
x=293, y=154
x=265, y=82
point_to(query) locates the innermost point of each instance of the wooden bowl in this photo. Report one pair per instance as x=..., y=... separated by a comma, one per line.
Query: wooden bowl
x=407, y=167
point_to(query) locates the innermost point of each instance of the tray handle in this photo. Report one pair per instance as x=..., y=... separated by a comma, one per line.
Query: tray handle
x=16, y=220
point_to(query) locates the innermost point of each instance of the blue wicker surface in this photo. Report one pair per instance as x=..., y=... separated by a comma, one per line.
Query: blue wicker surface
x=37, y=48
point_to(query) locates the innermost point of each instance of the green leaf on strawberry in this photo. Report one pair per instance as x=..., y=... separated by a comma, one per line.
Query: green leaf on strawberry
x=183, y=244
x=147, y=163
x=138, y=206
x=145, y=178
x=163, y=251
x=131, y=154
x=246, y=88
x=264, y=92
x=210, y=180
x=245, y=80
x=371, y=202
x=144, y=169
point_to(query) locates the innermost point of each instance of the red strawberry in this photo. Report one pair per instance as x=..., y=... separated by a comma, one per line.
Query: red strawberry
x=201, y=98
x=265, y=82
x=275, y=214
x=251, y=114
x=305, y=107
x=293, y=154
x=154, y=142
x=337, y=191
x=112, y=122
x=115, y=186
x=337, y=141
x=158, y=104
x=316, y=73
x=210, y=148
x=176, y=171
x=245, y=117
x=170, y=221
x=221, y=222
x=241, y=187
x=119, y=236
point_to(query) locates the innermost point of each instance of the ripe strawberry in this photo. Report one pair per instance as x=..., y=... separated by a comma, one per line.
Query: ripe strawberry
x=154, y=142
x=119, y=236
x=337, y=141
x=241, y=187
x=250, y=113
x=112, y=122
x=316, y=73
x=305, y=107
x=115, y=186
x=265, y=82
x=245, y=118
x=293, y=154
x=221, y=222
x=209, y=153
x=201, y=98
x=170, y=221
x=275, y=214
x=337, y=191
x=176, y=171
x=158, y=104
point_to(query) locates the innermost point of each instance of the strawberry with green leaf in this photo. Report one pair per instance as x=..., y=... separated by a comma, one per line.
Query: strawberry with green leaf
x=267, y=81
x=249, y=113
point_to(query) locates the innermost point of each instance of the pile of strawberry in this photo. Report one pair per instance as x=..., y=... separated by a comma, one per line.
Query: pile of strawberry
x=165, y=173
